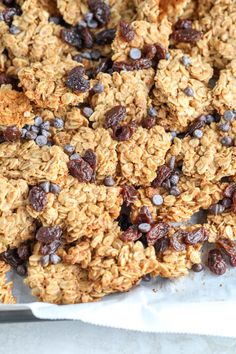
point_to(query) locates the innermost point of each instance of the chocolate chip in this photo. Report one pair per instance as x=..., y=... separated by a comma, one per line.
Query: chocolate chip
x=172, y=162
x=55, y=259
x=224, y=127
x=21, y=270
x=44, y=260
x=216, y=209
x=198, y=134
x=35, y=129
x=210, y=118
x=175, y=191
x=14, y=29
x=229, y=115
x=197, y=267
x=69, y=149
x=189, y=92
x=30, y=135
x=75, y=156
x=98, y=88
x=147, y=278
x=157, y=199
x=185, y=60
x=45, y=186
x=144, y=227
x=58, y=123
x=87, y=111
x=174, y=180
x=226, y=141
x=55, y=188
x=135, y=53
x=152, y=112
x=109, y=181
x=167, y=56
x=95, y=54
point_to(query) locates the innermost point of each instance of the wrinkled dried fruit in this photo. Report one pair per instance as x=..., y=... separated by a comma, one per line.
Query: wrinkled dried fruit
x=101, y=11
x=157, y=231
x=130, y=194
x=163, y=173
x=162, y=245
x=230, y=189
x=8, y=14
x=216, y=262
x=196, y=236
x=76, y=81
x=11, y=257
x=49, y=234
x=87, y=37
x=51, y=248
x=124, y=132
x=130, y=65
x=187, y=35
x=90, y=158
x=80, y=169
x=37, y=198
x=177, y=241
x=131, y=234
x=229, y=247
x=183, y=24
x=160, y=51
x=150, y=51
x=144, y=216
x=126, y=31
x=106, y=36
x=72, y=37
x=234, y=203
x=104, y=65
x=24, y=251
x=149, y=122
x=12, y=133
x=114, y=116
x=198, y=124
x=124, y=220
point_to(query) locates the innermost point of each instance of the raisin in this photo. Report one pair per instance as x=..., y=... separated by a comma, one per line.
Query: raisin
x=104, y=65
x=101, y=11
x=8, y=2
x=8, y=14
x=161, y=245
x=129, y=194
x=157, y=232
x=114, y=116
x=149, y=122
x=87, y=37
x=150, y=51
x=198, y=124
x=106, y=36
x=229, y=247
x=124, y=132
x=72, y=37
x=163, y=173
x=130, y=65
x=11, y=257
x=50, y=248
x=187, y=35
x=12, y=133
x=160, y=51
x=230, y=189
x=176, y=241
x=144, y=216
x=24, y=251
x=81, y=170
x=37, y=198
x=183, y=24
x=234, y=203
x=2, y=139
x=124, y=220
x=5, y=79
x=126, y=31
x=131, y=234
x=76, y=81
x=21, y=270
x=196, y=236
x=49, y=234
x=216, y=262
x=90, y=158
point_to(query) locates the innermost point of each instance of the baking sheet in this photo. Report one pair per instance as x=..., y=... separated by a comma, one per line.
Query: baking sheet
x=201, y=303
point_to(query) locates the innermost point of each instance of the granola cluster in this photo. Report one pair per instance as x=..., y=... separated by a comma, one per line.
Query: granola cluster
x=117, y=143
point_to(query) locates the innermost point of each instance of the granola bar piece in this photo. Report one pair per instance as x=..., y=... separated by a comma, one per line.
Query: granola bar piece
x=222, y=226
x=102, y=144
x=32, y=163
x=15, y=108
x=13, y=193
x=140, y=156
x=224, y=93
x=117, y=91
x=182, y=89
x=6, y=296
x=145, y=33
x=211, y=157
x=44, y=83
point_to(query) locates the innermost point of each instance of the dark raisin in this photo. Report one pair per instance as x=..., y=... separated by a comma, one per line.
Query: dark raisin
x=48, y=235
x=198, y=124
x=157, y=232
x=161, y=245
x=129, y=194
x=229, y=247
x=124, y=132
x=21, y=270
x=72, y=37
x=50, y=248
x=216, y=262
x=24, y=252
x=9, y=2
x=230, y=189
x=5, y=79
x=37, y=198
x=130, y=65
x=106, y=36
x=76, y=81
x=176, y=241
x=8, y=14
x=11, y=257
x=2, y=139
x=196, y=236
x=101, y=11
x=150, y=51
x=90, y=158
x=187, y=35
x=147, y=277
x=124, y=220
x=114, y=116
x=144, y=216
x=131, y=234
x=148, y=122
x=197, y=267
x=183, y=24
x=87, y=37
x=163, y=173
x=103, y=66
x=161, y=51
x=126, y=31
x=234, y=203
x=12, y=133
x=80, y=169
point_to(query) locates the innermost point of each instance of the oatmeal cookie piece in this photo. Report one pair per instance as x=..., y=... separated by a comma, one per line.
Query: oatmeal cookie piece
x=140, y=156
x=222, y=226
x=32, y=163
x=81, y=209
x=182, y=89
x=145, y=33
x=115, y=266
x=6, y=296
x=13, y=193
x=104, y=147
x=117, y=91
x=211, y=157
x=45, y=83
x=193, y=196
x=15, y=108
x=224, y=93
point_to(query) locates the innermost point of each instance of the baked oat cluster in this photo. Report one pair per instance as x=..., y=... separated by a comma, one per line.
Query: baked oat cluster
x=117, y=125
